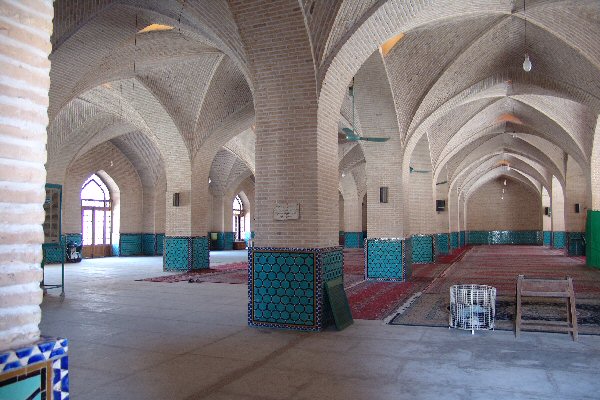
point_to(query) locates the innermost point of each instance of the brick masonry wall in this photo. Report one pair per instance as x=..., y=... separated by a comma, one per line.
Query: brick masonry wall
x=546, y=219
x=25, y=29
x=375, y=107
x=558, y=206
x=575, y=193
x=124, y=175
x=422, y=216
x=519, y=210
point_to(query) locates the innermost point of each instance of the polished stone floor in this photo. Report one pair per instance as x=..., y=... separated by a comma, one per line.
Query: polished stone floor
x=145, y=340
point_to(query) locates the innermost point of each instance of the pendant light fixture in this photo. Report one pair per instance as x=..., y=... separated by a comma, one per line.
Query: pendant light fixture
x=527, y=63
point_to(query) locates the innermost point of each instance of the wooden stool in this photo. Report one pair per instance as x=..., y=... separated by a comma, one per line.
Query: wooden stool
x=550, y=288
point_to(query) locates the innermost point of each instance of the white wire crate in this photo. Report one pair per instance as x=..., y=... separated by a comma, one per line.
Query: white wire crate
x=472, y=307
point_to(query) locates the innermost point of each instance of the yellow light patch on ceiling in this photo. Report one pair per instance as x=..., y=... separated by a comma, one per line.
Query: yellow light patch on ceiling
x=156, y=28
x=509, y=118
x=389, y=44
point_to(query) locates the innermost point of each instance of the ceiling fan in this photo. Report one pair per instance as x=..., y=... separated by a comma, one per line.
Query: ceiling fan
x=351, y=134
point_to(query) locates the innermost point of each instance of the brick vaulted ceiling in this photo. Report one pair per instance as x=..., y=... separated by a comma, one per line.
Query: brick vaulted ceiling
x=455, y=78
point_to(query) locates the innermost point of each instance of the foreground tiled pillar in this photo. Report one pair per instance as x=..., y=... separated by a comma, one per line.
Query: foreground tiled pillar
x=26, y=361
x=24, y=81
x=297, y=196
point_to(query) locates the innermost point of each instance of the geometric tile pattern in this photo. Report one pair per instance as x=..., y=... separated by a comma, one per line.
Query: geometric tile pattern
x=547, y=238
x=219, y=242
x=462, y=241
x=148, y=244
x=177, y=253
x=454, y=240
x=353, y=240
x=228, y=238
x=200, y=252
x=387, y=259
x=558, y=239
x=184, y=253
x=130, y=244
x=44, y=349
x=505, y=237
x=423, y=249
x=443, y=243
x=160, y=243
x=575, y=244
x=60, y=378
x=332, y=265
x=285, y=286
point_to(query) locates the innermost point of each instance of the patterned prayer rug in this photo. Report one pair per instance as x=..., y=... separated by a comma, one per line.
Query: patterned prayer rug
x=499, y=266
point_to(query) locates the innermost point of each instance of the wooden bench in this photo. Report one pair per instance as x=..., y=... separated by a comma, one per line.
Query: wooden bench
x=549, y=288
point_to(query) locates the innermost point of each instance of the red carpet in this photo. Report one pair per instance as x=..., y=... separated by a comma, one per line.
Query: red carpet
x=499, y=266
x=376, y=300
x=226, y=273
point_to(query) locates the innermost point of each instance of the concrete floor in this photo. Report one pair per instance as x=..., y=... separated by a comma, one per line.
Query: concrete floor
x=144, y=340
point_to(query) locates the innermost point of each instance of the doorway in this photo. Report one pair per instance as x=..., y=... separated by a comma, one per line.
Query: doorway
x=96, y=218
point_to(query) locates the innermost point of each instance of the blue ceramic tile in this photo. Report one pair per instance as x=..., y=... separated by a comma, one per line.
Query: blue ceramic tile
x=353, y=240
x=130, y=244
x=558, y=240
x=385, y=259
x=422, y=249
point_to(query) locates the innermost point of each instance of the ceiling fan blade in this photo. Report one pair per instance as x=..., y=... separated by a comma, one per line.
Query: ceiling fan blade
x=412, y=170
x=350, y=134
x=374, y=139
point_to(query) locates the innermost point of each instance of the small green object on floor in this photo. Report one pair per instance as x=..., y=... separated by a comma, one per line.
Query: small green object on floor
x=334, y=290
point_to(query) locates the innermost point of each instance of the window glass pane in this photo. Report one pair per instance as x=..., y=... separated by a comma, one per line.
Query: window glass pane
x=99, y=227
x=87, y=227
x=94, y=189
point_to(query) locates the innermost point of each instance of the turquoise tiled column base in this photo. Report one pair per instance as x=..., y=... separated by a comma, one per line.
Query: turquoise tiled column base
x=200, y=253
x=575, y=243
x=28, y=369
x=505, y=237
x=462, y=239
x=559, y=239
x=388, y=259
x=148, y=244
x=160, y=243
x=547, y=238
x=228, y=238
x=423, y=249
x=130, y=244
x=442, y=243
x=454, y=244
x=353, y=240
x=184, y=253
x=285, y=286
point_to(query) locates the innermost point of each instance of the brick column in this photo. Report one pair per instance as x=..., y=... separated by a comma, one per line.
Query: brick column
x=558, y=215
x=294, y=164
x=24, y=74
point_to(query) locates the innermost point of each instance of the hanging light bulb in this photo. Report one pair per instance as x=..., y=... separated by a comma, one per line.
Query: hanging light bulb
x=505, y=182
x=502, y=191
x=527, y=63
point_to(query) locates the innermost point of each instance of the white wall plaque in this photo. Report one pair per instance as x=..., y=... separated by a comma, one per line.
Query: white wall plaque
x=285, y=211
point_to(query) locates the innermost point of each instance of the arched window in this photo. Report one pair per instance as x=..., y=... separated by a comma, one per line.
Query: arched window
x=96, y=215
x=238, y=219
